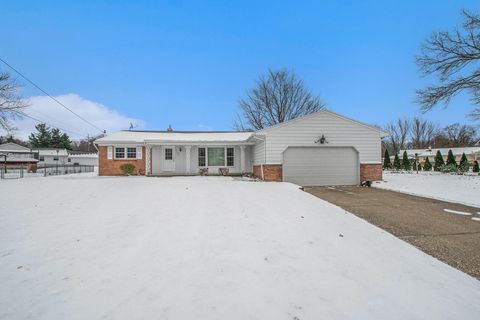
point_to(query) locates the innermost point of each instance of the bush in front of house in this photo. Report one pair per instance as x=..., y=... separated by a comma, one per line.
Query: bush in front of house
x=464, y=166
x=451, y=159
x=396, y=163
x=387, y=164
x=127, y=169
x=449, y=168
x=476, y=167
x=223, y=171
x=439, y=163
x=427, y=166
x=405, y=162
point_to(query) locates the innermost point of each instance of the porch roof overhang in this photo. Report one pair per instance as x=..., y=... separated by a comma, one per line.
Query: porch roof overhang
x=197, y=143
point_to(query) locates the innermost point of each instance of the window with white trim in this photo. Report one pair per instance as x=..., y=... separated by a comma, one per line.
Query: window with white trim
x=168, y=154
x=119, y=153
x=202, y=157
x=131, y=153
x=216, y=157
x=230, y=157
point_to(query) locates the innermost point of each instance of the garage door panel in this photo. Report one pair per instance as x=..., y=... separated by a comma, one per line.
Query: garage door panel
x=317, y=166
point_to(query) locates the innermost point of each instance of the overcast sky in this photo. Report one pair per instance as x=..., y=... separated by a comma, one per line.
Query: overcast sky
x=187, y=64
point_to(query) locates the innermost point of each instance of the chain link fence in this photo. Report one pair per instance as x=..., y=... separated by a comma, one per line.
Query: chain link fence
x=16, y=172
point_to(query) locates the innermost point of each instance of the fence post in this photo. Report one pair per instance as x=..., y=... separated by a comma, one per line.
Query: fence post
x=21, y=171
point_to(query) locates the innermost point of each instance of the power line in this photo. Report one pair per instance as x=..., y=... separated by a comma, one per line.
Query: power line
x=23, y=114
x=50, y=96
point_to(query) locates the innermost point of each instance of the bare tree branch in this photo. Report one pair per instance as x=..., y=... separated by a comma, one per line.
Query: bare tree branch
x=10, y=103
x=278, y=97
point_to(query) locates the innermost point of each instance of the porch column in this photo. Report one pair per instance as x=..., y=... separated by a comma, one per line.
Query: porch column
x=242, y=158
x=187, y=154
x=148, y=159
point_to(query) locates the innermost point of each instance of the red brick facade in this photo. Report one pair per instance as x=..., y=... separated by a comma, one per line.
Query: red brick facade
x=111, y=167
x=370, y=172
x=271, y=172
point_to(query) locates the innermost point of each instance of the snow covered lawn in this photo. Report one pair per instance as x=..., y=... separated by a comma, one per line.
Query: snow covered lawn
x=86, y=247
x=451, y=188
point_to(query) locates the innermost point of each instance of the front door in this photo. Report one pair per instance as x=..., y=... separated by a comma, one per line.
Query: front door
x=168, y=159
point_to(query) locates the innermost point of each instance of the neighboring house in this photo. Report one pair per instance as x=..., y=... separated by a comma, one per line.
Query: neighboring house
x=472, y=153
x=83, y=158
x=322, y=148
x=14, y=156
x=51, y=156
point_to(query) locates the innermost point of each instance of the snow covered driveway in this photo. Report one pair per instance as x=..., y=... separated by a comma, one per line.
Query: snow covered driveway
x=85, y=247
x=446, y=187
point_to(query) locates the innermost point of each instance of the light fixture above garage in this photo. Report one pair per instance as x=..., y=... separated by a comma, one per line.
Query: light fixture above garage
x=321, y=140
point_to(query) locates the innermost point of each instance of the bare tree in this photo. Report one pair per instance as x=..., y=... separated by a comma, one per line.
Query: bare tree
x=398, y=137
x=422, y=133
x=278, y=97
x=10, y=103
x=460, y=135
x=453, y=57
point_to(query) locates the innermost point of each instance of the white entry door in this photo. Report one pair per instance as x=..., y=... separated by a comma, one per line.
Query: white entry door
x=168, y=159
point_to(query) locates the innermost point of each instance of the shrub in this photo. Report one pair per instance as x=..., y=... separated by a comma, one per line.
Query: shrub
x=439, y=163
x=464, y=165
x=223, y=171
x=406, y=162
x=203, y=171
x=476, y=168
x=387, y=164
x=451, y=158
x=449, y=168
x=127, y=168
x=427, y=166
x=396, y=162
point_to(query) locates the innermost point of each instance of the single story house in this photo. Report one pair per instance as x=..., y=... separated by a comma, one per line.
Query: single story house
x=83, y=158
x=472, y=154
x=13, y=155
x=322, y=148
x=51, y=156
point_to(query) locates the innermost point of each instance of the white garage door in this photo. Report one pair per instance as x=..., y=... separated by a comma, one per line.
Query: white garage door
x=321, y=166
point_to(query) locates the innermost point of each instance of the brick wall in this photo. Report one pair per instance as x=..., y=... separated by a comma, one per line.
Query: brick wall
x=111, y=167
x=370, y=172
x=271, y=172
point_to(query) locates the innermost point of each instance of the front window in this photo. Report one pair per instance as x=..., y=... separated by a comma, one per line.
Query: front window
x=55, y=158
x=216, y=157
x=201, y=157
x=120, y=153
x=168, y=154
x=131, y=153
x=42, y=158
x=230, y=157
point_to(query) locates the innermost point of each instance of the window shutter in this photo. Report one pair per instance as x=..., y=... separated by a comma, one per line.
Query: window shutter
x=109, y=153
x=139, y=152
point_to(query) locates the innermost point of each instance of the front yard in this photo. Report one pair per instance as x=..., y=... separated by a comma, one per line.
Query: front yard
x=86, y=247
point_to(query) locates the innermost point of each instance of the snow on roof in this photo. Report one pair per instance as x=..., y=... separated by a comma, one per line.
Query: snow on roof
x=176, y=136
x=443, y=151
x=13, y=147
x=51, y=151
x=83, y=155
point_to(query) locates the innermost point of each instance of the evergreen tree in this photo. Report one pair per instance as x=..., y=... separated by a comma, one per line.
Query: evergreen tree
x=405, y=162
x=59, y=140
x=42, y=138
x=396, y=162
x=464, y=165
x=387, y=164
x=451, y=158
x=427, y=166
x=476, y=168
x=439, y=161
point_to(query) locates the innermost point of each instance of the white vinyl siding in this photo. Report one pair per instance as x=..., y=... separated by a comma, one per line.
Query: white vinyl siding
x=258, y=152
x=303, y=132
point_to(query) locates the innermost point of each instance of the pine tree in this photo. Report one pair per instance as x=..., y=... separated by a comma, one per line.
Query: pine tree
x=476, y=168
x=396, y=162
x=387, y=164
x=405, y=162
x=439, y=161
x=427, y=166
x=451, y=158
x=464, y=165
x=42, y=138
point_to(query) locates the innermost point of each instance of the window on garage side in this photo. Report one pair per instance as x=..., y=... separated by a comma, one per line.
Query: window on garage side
x=168, y=154
x=216, y=157
x=230, y=157
x=202, y=157
x=131, y=153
